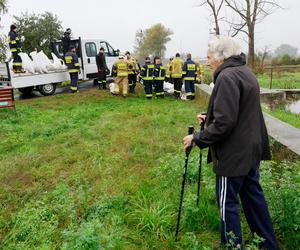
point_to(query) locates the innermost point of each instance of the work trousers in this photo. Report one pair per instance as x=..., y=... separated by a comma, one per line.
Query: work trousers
x=132, y=79
x=17, y=63
x=102, y=78
x=148, y=85
x=74, y=81
x=177, y=86
x=254, y=205
x=121, y=83
x=189, y=89
x=159, y=88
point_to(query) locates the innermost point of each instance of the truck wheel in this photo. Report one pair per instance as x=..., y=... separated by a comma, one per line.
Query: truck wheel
x=47, y=89
x=27, y=90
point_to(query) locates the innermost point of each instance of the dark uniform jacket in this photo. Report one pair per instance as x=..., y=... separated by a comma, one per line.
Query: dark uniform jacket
x=147, y=72
x=66, y=42
x=101, y=62
x=236, y=132
x=14, y=42
x=72, y=62
x=189, y=70
x=159, y=72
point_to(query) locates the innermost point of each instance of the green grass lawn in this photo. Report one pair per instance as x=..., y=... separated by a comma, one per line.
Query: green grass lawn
x=93, y=171
x=283, y=80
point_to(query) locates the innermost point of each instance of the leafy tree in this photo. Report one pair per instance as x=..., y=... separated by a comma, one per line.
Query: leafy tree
x=3, y=10
x=38, y=31
x=152, y=41
x=3, y=7
x=286, y=49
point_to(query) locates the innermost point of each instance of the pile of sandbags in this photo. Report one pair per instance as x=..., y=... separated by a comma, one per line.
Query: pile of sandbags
x=40, y=63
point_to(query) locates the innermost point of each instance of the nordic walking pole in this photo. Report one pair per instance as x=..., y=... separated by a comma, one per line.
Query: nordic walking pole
x=187, y=154
x=200, y=168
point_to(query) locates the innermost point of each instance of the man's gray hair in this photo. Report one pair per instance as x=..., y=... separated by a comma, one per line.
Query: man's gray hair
x=224, y=47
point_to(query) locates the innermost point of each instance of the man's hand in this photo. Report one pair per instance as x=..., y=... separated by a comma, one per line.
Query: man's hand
x=201, y=118
x=188, y=141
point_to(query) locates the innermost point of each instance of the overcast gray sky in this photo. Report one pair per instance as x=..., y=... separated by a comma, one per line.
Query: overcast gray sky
x=117, y=21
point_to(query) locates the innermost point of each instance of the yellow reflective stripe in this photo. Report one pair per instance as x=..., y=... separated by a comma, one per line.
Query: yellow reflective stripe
x=13, y=42
x=122, y=66
x=68, y=59
x=177, y=91
x=189, y=78
x=123, y=74
x=148, y=78
x=74, y=88
x=189, y=94
x=77, y=65
x=183, y=72
x=168, y=76
x=176, y=75
x=149, y=95
x=17, y=64
x=151, y=66
x=17, y=38
x=191, y=67
x=73, y=70
x=13, y=50
x=160, y=93
x=159, y=78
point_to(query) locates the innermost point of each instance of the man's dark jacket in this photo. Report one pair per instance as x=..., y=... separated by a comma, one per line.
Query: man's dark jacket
x=101, y=62
x=235, y=129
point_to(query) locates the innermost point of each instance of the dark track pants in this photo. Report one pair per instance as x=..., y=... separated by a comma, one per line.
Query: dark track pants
x=159, y=88
x=102, y=78
x=254, y=206
x=132, y=79
x=177, y=87
x=189, y=89
x=148, y=88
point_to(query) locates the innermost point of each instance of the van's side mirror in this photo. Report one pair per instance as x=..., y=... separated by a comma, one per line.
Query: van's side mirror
x=117, y=52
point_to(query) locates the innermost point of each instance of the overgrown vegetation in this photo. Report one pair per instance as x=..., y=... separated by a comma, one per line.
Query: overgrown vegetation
x=281, y=80
x=92, y=171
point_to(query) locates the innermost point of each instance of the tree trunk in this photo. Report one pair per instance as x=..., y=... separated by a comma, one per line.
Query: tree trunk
x=251, y=49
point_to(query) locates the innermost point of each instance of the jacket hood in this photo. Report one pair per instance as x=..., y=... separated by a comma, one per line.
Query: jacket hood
x=233, y=61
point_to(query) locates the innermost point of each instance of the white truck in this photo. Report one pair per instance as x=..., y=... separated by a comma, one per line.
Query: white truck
x=46, y=83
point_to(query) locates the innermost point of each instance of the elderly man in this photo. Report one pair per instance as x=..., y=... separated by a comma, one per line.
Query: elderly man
x=237, y=139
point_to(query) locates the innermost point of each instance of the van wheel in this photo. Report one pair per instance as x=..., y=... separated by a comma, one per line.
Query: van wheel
x=27, y=90
x=47, y=89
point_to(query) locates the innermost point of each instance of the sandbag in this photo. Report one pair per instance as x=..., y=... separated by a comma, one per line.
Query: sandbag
x=58, y=64
x=169, y=88
x=36, y=63
x=112, y=87
x=27, y=63
x=46, y=63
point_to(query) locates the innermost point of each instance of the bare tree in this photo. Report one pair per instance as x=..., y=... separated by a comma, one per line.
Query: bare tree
x=250, y=13
x=215, y=6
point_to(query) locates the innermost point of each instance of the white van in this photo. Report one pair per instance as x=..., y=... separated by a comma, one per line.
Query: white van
x=46, y=83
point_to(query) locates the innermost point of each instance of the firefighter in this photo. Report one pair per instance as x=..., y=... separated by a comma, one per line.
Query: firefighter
x=159, y=77
x=189, y=70
x=102, y=68
x=147, y=74
x=72, y=62
x=168, y=71
x=120, y=71
x=200, y=72
x=66, y=40
x=15, y=49
x=133, y=72
x=176, y=74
